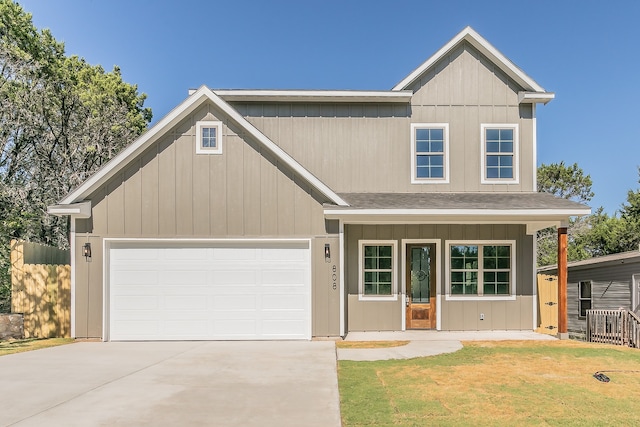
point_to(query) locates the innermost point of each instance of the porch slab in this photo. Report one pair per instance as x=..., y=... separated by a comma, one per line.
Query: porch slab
x=417, y=335
x=425, y=343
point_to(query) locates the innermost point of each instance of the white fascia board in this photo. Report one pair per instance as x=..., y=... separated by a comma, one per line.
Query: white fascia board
x=334, y=96
x=76, y=210
x=486, y=48
x=453, y=216
x=171, y=119
x=535, y=97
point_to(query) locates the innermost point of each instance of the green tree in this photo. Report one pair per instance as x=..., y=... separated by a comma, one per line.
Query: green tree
x=568, y=182
x=60, y=120
x=617, y=233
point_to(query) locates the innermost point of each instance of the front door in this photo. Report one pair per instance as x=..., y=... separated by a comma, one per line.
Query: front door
x=421, y=286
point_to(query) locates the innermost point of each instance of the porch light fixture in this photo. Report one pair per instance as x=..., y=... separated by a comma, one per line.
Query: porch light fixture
x=327, y=252
x=86, y=250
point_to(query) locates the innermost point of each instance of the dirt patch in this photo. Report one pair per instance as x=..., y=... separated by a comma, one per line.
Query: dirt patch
x=370, y=344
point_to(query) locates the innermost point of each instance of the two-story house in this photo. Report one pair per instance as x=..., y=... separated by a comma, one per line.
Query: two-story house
x=288, y=214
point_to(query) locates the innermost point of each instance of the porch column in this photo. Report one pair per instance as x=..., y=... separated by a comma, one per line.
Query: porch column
x=562, y=283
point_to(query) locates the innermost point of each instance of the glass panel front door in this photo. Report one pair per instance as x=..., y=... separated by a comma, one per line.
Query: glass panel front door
x=421, y=286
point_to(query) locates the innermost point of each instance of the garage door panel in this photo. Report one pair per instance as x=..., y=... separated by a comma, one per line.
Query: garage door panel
x=236, y=277
x=227, y=292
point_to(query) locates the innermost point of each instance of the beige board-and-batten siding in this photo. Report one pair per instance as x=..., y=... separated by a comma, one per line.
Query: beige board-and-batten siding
x=41, y=289
x=455, y=315
x=356, y=147
x=170, y=192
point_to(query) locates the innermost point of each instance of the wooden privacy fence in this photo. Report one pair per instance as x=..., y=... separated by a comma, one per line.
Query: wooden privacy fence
x=619, y=327
x=41, y=289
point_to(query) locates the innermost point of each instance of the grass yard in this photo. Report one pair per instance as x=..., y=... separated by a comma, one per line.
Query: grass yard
x=18, y=346
x=495, y=383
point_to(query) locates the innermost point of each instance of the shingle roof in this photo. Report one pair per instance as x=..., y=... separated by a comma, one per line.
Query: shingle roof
x=493, y=201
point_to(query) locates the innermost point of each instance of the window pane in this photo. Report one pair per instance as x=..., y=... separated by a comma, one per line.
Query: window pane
x=506, y=173
x=506, y=134
x=503, y=289
x=423, y=172
x=384, y=277
x=384, y=251
x=493, y=147
x=504, y=263
x=505, y=160
x=422, y=146
x=437, y=172
x=489, y=262
x=436, y=160
x=489, y=289
x=489, y=277
x=585, y=289
x=423, y=160
x=422, y=134
x=437, y=134
x=370, y=251
x=503, y=250
x=369, y=263
x=384, y=289
x=457, y=276
x=506, y=147
x=456, y=289
x=503, y=276
x=437, y=147
x=492, y=173
x=493, y=160
x=368, y=289
x=384, y=263
x=493, y=134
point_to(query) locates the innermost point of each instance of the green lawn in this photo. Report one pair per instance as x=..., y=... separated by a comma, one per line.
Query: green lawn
x=495, y=383
x=18, y=346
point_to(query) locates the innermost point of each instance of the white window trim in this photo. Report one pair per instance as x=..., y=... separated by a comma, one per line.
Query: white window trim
x=516, y=153
x=394, y=270
x=208, y=124
x=414, y=178
x=512, y=291
x=635, y=291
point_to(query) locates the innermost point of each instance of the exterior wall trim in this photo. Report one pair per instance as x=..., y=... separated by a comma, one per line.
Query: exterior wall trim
x=262, y=95
x=403, y=282
x=108, y=241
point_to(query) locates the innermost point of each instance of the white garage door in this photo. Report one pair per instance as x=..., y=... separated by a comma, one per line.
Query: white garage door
x=231, y=291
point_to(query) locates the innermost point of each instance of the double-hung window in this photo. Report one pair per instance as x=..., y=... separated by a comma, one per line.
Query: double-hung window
x=377, y=270
x=481, y=269
x=209, y=137
x=499, y=153
x=429, y=151
x=584, y=297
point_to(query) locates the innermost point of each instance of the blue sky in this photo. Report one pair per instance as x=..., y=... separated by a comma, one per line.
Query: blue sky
x=586, y=52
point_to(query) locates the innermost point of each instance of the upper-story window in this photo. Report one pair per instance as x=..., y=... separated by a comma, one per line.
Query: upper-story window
x=429, y=153
x=209, y=137
x=499, y=153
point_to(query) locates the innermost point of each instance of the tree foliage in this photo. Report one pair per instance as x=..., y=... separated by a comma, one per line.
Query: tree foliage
x=60, y=120
x=596, y=235
x=568, y=182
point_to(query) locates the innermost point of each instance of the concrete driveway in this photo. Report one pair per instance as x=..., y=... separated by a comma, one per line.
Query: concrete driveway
x=276, y=383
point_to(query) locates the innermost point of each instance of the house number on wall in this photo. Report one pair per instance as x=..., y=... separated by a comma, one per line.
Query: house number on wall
x=334, y=277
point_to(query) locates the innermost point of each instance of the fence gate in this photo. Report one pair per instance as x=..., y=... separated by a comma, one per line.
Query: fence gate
x=548, y=304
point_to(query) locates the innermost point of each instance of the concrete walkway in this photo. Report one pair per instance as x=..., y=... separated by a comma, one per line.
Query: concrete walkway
x=425, y=343
x=276, y=383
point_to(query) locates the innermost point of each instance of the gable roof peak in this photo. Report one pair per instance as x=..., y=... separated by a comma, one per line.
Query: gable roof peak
x=472, y=37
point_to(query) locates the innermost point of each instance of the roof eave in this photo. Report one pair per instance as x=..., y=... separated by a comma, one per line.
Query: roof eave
x=324, y=96
x=535, y=97
x=76, y=210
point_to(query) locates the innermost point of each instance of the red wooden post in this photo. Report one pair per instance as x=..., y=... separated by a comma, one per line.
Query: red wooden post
x=562, y=283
